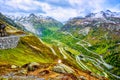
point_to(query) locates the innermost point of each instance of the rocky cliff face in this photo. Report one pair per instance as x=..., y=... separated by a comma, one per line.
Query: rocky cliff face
x=8, y=42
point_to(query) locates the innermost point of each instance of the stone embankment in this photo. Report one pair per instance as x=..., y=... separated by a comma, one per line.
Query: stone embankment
x=9, y=42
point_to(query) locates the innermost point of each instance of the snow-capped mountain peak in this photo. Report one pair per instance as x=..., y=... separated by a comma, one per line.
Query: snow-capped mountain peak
x=103, y=14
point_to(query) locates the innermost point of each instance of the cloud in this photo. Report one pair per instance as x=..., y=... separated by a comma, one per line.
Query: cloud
x=26, y=6
x=58, y=9
x=58, y=3
x=62, y=14
x=78, y=8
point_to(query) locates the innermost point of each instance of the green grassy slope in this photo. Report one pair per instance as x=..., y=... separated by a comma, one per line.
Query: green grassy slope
x=25, y=52
x=108, y=48
x=29, y=49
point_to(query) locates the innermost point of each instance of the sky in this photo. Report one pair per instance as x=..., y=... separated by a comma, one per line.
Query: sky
x=61, y=10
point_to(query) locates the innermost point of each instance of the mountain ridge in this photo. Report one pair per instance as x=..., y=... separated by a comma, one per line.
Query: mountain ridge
x=103, y=14
x=91, y=20
x=38, y=24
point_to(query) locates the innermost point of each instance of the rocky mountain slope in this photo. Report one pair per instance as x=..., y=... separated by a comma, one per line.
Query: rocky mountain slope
x=39, y=25
x=103, y=14
x=11, y=22
x=108, y=20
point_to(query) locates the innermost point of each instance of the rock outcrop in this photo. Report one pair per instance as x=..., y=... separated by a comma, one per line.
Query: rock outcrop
x=62, y=68
x=8, y=42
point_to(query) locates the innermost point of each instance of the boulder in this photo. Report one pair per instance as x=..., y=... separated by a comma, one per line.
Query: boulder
x=33, y=66
x=82, y=78
x=44, y=72
x=14, y=66
x=23, y=71
x=62, y=68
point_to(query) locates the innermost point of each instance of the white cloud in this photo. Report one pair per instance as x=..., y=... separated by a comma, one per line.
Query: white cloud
x=16, y=14
x=20, y=4
x=82, y=5
x=62, y=14
x=97, y=5
x=79, y=8
x=76, y=8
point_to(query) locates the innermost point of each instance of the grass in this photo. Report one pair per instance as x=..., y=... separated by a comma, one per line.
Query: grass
x=23, y=53
x=101, y=45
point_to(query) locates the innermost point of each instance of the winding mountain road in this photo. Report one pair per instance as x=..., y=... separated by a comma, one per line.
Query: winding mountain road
x=99, y=60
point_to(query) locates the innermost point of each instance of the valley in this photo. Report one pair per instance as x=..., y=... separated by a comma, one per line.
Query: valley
x=97, y=36
x=81, y=49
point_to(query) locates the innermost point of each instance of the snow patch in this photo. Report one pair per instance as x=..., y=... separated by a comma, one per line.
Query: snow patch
x=84, y=31
x=29, y=27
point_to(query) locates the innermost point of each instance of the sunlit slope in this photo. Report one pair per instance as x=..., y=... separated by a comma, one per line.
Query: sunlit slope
x=26, y=52
x=32, y=49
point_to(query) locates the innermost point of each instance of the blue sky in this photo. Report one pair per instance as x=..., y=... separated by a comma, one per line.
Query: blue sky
x=61, y=10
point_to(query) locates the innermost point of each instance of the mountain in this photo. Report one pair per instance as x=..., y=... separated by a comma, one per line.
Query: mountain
x=95, y=37
x=39, y=25
x=34, y=57
x=11, y=22
x=27, y=49
x=103, y=14
x=84, y=45
x=106, y=20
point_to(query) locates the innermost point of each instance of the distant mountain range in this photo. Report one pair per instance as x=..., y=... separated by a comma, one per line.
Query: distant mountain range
x=11, y=22
x=103, y=14
x=39, y=25
x=107, y=20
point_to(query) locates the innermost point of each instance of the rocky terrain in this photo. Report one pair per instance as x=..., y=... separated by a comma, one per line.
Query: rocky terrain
x=106, y=20
x=8, y=42
x=11, y=22
x=36, y=71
